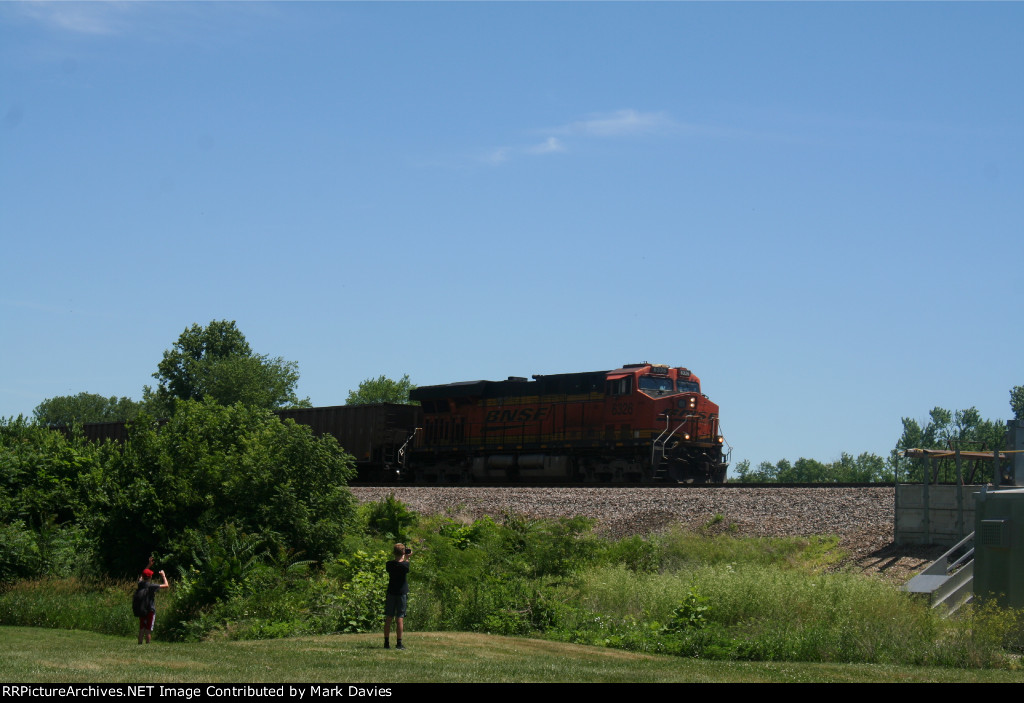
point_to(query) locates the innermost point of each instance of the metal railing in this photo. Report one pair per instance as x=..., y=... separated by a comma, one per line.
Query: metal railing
x=949, y=580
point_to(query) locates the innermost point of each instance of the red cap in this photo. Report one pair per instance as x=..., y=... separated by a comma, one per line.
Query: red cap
x=147, y=573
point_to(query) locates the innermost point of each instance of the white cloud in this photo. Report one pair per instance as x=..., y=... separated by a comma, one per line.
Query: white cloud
x=550, y=146
x=500, y=155
x=618, y=124
x=99, y=18
x=497, y=156
x=621, y=123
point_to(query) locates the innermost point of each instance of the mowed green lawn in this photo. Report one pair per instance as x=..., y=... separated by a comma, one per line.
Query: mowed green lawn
x=31, y=655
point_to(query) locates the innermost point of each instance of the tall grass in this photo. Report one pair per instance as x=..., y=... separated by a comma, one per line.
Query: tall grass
x=680, y=549
x=770, y=613
x=73, y=604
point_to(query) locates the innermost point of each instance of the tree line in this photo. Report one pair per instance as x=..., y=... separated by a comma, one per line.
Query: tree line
x=216, y=362
x=944, y=429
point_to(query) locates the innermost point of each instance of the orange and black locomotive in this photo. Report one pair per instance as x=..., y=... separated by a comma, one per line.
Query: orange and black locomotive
x=641, y=422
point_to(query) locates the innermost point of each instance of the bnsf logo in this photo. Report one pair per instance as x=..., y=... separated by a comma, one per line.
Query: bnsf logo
x=520, y=415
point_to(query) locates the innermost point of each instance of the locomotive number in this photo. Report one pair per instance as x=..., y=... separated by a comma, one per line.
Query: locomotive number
x=622, y=408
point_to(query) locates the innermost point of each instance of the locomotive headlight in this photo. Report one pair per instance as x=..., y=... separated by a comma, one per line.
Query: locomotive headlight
x=686, y=436
x=721, y=439
x=693, y=403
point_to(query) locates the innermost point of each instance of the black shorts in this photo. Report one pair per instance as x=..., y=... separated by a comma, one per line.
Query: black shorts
x=394, y=604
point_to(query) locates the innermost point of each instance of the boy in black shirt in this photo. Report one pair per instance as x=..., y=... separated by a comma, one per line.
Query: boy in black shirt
x=397, y=595
x=150, y=587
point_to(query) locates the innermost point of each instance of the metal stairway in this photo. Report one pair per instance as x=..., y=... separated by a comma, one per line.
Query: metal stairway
x=949, y=580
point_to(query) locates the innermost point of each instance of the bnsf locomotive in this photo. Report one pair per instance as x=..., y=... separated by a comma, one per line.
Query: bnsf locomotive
x=642, y=422
x=639, y=423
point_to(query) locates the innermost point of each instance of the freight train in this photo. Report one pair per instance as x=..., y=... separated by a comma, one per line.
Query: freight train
x=639, y=423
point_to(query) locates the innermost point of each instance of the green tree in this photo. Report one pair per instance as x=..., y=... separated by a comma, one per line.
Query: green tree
x=765, y=472
x=67, y=410
x=805, y=470
x=865, y=468
x=743, y=472
x=1017, y=402
x=382, y=390
x=217, y=362
x=209, y=465
x=43, y=490
x=964, y=429
x=40, y=472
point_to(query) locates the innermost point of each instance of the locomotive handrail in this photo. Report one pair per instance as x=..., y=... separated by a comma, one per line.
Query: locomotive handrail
x=654, y=445
x=401, y=450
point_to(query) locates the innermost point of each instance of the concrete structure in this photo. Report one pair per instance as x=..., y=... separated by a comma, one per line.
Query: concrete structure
x=933, y=513
x=930, y=514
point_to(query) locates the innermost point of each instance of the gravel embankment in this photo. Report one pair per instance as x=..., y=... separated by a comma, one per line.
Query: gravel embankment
x=862, y=517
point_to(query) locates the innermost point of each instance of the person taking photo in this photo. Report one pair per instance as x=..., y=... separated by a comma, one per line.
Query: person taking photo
x=397, y=596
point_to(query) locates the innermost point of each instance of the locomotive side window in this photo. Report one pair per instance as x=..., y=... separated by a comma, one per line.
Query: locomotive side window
x=620, y=386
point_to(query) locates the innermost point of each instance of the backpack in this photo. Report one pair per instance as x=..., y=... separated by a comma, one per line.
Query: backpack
x=140, y=601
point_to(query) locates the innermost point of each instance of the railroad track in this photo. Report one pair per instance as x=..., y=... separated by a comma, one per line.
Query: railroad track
x=609, y=485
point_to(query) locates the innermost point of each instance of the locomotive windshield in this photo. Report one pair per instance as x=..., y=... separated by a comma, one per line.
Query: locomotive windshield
x=658, y=384
x=662, y=385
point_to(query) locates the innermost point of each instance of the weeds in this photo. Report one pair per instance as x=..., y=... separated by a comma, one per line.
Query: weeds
x=72, y=604
x=693, y=595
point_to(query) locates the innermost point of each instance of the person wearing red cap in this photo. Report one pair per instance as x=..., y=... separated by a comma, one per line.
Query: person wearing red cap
x=145, y=593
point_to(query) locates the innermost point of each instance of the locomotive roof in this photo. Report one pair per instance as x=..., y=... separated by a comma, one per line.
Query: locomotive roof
x=583, y=382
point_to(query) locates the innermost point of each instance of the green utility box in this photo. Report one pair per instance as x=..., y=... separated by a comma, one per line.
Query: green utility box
x=999, y=546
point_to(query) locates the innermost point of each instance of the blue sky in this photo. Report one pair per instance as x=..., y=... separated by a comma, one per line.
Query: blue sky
x=817, y=207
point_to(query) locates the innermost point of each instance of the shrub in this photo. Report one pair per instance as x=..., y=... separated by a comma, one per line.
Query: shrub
x=19, y=553
x=210, y=465
x=221, y=566
x=363, y=582
x=42, y=473
x=692, y=613
x=636, y=553
x=389, y=517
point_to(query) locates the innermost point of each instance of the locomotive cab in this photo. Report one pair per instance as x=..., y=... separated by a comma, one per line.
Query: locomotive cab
x=661, y=381
x=669, y=417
